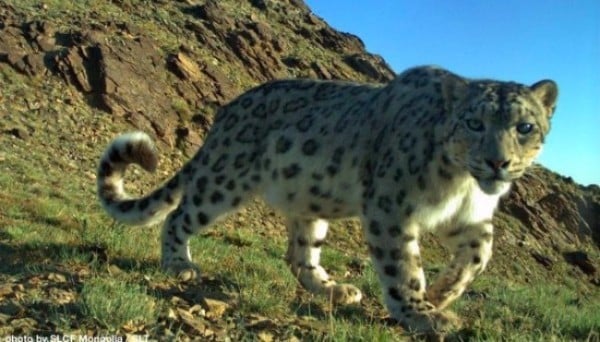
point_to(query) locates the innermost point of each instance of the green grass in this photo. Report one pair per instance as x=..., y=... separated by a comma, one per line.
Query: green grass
x=541, y=311
x=114, y=303
x=551, y=309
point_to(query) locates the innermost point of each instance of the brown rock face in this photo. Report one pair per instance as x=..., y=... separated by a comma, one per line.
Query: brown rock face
x=563, y=214
x=559, y=219
x=124, y=71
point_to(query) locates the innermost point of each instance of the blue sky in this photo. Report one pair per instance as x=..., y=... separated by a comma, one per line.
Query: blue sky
x=513, y=40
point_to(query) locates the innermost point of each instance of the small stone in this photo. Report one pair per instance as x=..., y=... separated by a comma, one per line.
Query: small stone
x=187, y=275
x=258, y=322
x=178, y=301
x=195, y=323
x=184, y=67
x=114, y=269
x=57, y=277
x=23, y=324
x=60, y=296
x=46, y=43
x=265, y=336
x=172, y=314
x=214, y=307
x=197, y=309
x=6, y=289
x=208, y=332
x=34, y=63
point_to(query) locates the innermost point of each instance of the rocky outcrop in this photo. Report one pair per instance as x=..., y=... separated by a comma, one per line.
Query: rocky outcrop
x=123, y=71
x=560, y=212
x=560, y=219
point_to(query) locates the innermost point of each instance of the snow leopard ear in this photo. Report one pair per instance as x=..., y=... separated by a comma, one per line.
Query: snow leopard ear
x=455, y=89
x=546, y=91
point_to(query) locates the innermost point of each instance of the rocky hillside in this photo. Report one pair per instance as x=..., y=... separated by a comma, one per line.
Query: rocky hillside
x=165, y=70
x=164, y=66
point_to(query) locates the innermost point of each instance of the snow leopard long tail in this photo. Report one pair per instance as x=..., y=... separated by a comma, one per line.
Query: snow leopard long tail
x=134, y=148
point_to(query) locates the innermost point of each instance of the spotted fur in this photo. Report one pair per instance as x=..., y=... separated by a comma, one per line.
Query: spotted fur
x=428, y=151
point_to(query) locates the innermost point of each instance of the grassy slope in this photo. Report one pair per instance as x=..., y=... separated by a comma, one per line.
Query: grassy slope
x=67, y=268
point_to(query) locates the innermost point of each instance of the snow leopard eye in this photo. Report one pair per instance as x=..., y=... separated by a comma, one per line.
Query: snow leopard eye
x=524, y=128
x=475, y=125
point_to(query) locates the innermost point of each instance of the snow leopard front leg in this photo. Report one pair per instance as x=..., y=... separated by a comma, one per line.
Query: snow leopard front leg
x=393, y=244
x=305, y=238
x=471, y=246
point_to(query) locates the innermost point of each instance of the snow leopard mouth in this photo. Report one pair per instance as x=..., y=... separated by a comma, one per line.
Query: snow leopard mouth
x=493, y=186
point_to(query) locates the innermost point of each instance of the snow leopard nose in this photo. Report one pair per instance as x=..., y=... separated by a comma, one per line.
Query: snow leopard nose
x=497, y=165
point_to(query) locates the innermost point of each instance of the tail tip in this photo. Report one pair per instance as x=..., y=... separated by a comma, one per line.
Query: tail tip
x=139, y=147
